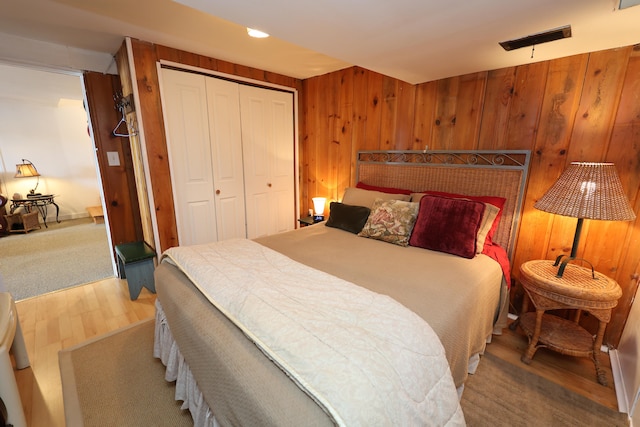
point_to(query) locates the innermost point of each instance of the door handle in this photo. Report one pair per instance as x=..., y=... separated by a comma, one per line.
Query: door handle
x=217, y=192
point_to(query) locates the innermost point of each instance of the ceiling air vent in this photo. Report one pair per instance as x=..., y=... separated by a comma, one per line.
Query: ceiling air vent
x=539, y=38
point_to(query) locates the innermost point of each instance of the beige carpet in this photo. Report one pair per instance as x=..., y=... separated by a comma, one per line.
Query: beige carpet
x=115, y=381
x=66, y=254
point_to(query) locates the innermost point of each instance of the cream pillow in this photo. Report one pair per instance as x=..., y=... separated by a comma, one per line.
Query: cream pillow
x=359, y=197
x=488, y=217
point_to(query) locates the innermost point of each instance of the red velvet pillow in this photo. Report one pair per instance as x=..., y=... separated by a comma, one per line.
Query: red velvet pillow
x=448, y=225
x=388, y=190
x=494, y=200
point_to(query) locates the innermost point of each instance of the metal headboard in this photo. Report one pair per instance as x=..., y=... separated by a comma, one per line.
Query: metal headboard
x=480, y=173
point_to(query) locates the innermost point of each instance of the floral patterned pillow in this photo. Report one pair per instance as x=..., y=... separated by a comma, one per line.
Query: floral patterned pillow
x=391, y=221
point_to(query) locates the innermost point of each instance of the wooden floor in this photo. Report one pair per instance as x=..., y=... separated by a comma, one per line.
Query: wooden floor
x=65, y=318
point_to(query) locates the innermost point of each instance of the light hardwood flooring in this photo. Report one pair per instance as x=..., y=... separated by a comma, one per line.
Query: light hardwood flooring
x=62, y=319
x=65, y=318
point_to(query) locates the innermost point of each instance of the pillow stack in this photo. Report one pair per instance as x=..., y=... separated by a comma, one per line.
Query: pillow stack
x=452, y=223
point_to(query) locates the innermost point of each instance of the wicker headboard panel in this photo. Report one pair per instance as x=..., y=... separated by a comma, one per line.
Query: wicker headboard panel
x=476, y=173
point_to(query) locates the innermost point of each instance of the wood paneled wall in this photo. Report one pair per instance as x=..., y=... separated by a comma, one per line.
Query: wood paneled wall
x=579, y=108
x=118, y=182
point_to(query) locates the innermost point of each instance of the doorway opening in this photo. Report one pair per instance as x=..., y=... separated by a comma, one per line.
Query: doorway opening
x=45, y=121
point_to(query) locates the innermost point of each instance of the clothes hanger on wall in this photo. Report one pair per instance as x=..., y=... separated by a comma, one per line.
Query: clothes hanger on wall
x=124, y=105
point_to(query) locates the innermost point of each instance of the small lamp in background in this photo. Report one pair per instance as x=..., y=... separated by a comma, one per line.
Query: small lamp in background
x=26, y=169
x=586, y=191
x=318, y=208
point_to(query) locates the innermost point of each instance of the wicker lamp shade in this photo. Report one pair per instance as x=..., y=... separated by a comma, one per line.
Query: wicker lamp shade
x=590, y=191
x=586, y=191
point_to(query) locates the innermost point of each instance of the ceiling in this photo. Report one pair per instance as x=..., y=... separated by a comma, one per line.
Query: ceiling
x=412, y=40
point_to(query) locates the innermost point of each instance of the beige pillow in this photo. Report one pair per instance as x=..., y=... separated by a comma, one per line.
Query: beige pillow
x=489, y=215
x=359, y=197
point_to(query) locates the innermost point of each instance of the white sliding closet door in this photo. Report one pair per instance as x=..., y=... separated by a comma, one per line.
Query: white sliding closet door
x=203, y=138
x=226, y=144
x=267, y=140
x=185, y=103
x=231, y=155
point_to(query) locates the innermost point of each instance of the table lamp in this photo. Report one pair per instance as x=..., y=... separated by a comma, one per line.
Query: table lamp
x=318, y=208
x=26, y=169
x=586, y=191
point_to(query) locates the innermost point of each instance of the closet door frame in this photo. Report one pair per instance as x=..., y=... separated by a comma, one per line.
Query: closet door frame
x=243, y=80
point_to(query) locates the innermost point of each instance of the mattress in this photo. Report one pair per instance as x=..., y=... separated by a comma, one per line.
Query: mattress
x=459, y=298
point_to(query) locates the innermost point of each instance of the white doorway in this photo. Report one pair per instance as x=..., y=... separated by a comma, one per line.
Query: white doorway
x=44, y=120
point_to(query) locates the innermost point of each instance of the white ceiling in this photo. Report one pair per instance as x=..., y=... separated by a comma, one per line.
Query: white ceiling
x=412, y=40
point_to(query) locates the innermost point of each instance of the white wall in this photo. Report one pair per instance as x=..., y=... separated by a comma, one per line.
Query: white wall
x=43, y=120
x=627, y=359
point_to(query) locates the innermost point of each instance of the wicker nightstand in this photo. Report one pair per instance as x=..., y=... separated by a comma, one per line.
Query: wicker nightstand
x=577, y=289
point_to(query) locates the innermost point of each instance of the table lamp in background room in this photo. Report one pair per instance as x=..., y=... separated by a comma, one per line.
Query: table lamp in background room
x=26, y=169
x=586, y=191
x=318, y=208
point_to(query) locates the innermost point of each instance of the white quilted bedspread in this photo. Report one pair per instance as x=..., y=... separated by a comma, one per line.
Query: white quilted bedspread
x=366, y=359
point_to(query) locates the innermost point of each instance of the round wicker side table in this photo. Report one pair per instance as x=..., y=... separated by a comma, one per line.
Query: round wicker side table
x=577, y=289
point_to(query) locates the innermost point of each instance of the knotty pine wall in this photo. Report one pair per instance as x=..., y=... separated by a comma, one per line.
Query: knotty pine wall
x=579, y=108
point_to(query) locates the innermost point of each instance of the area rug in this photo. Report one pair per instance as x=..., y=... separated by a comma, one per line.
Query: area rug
x=66, y=254
x=114, y=380
x=501, y=394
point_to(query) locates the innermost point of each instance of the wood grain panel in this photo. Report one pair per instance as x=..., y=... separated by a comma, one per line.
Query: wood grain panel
x=495, y=108
x=445, y=114
x=118, y=182
x=150, y=113
x=598, y=105
x=426, y=95
x=524, y=113
x=373, y=112
x=404, y=118
x=468, y=113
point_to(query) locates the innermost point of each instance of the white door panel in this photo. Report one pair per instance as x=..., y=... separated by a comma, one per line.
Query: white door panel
x=267, y=137
x=231, y=154
x=185, y=101
x=226, y=144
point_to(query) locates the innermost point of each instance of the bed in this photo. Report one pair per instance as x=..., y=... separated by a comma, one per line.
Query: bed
x=417, y=272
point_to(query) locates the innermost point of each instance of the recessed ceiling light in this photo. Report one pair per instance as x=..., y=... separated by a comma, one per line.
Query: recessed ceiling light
x=256, y=33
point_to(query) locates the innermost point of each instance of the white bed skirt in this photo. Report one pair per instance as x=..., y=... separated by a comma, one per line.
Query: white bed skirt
x=166, y=349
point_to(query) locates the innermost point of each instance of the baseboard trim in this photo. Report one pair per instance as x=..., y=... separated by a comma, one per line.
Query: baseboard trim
x=71, y=216
x=618, y=380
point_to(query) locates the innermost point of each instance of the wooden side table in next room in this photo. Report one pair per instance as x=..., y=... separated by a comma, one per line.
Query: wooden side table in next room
x=580, y=289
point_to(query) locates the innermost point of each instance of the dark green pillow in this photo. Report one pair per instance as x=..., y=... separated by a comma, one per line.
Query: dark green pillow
x=347, y=217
